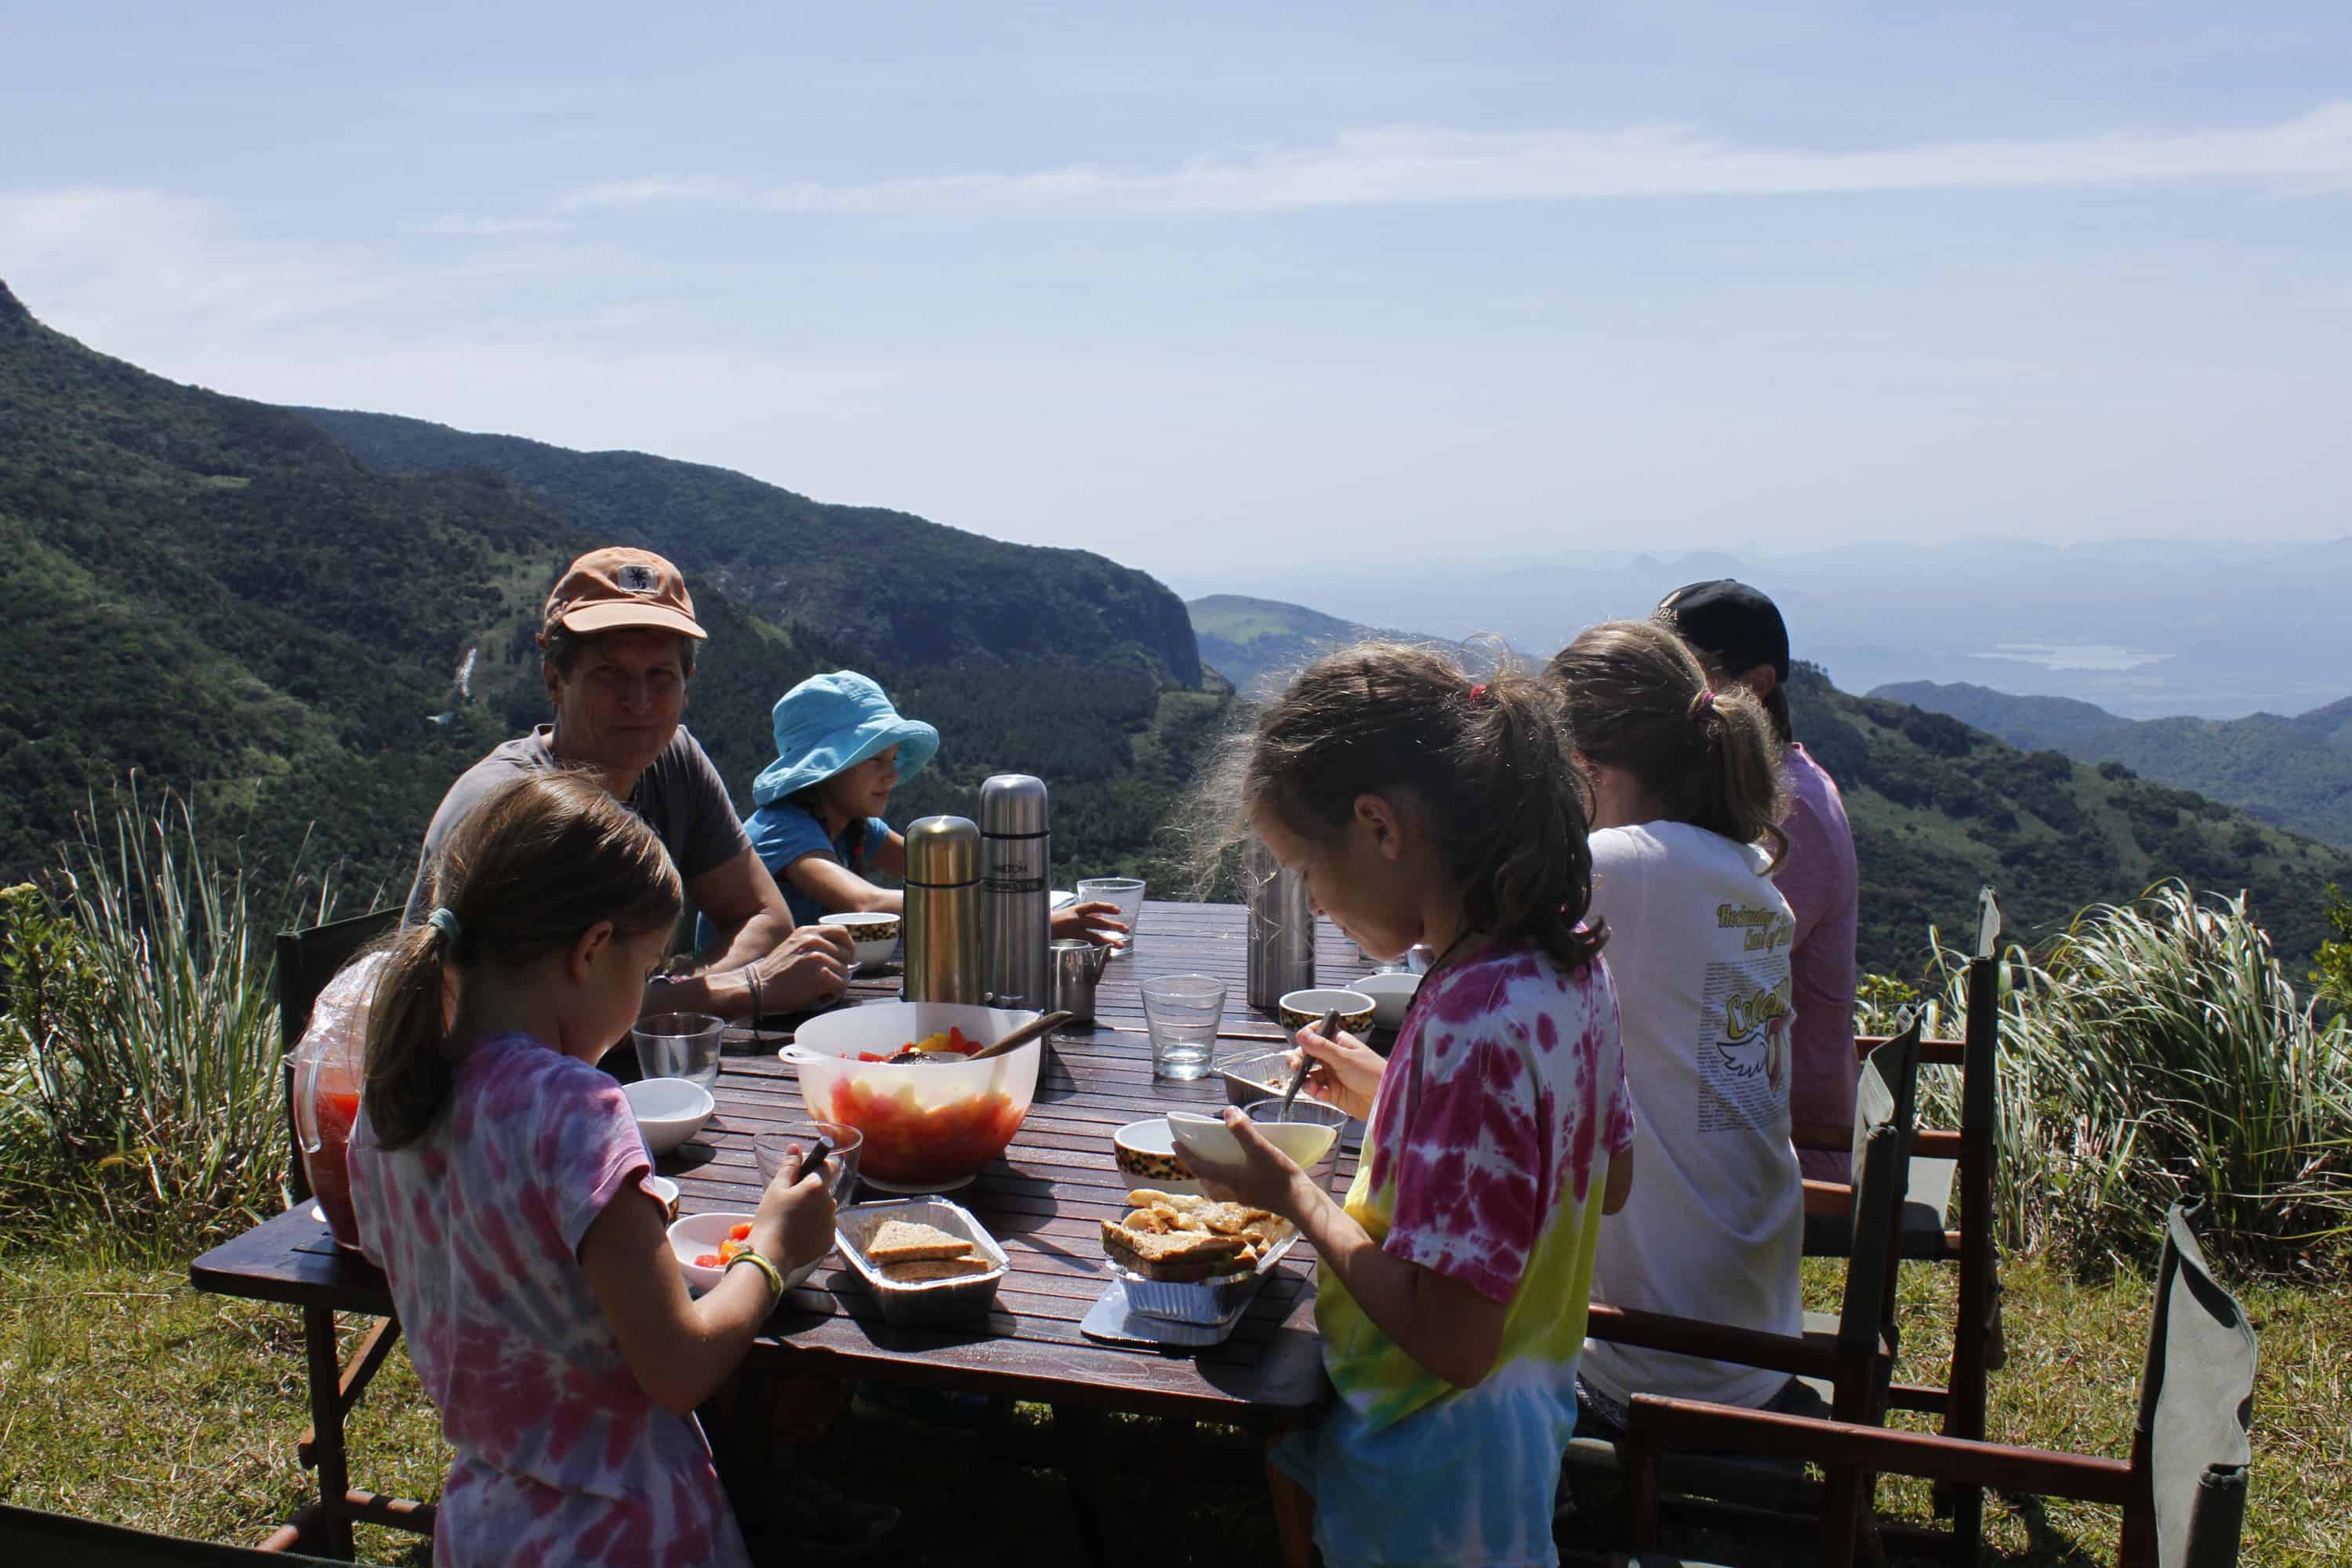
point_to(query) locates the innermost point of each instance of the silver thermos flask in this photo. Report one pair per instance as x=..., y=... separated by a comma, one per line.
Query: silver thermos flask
x=943, y=910
x=1015, y=853
x=1281, y=928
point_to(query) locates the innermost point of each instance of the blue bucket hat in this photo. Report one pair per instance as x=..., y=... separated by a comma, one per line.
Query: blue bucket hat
x=831, y=722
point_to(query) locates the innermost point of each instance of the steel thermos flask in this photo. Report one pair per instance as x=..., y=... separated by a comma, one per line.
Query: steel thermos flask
x=943, y=951
x=1281, y=928
x=1015, y=852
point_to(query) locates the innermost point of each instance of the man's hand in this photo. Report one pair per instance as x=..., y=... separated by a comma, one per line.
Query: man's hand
x=1267, y=1178
x=809, y=969
x=1098, y=923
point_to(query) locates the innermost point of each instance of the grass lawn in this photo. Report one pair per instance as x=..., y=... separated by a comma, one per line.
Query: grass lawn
x=126, y=1395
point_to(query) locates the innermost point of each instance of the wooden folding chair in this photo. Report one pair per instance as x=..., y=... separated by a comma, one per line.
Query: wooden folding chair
x=1846, y=1358
x=30, y=1537
x=307, y=960
x=2182, y=1491
x=1930, y=1232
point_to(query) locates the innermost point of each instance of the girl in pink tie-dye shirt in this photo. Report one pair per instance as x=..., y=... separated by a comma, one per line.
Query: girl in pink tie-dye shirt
x=500, y=1182
x=1423, y=806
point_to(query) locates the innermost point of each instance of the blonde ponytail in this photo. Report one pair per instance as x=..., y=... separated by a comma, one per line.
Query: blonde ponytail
x=1639, y=699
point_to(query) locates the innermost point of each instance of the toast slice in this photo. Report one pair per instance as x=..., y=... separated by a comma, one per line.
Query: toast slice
x=927, y=1268
x=1172, y=1255
x=903, y=1241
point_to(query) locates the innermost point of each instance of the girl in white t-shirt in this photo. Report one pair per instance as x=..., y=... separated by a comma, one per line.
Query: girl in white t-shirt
x=1685, y=792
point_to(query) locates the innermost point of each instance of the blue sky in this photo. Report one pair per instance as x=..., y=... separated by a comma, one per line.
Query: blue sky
x=1218, y=284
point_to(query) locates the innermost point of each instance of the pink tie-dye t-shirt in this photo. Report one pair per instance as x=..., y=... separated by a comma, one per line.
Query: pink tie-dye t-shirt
x=1503, y=1100
x=562, y=1456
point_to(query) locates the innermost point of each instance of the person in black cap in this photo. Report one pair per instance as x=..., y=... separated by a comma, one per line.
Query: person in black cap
x=1739, y=635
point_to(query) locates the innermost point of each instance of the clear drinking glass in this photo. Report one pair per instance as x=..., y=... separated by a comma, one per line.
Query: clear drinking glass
x=840, y=1163
x=1180, y=1013
x=679, y=1044
x=1127, y=892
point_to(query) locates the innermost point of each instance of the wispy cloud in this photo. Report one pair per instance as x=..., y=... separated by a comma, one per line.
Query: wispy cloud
x=1412, y=163
x=470, y=227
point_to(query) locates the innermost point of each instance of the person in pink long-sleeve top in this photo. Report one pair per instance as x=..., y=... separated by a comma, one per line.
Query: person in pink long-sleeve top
x=1738, y=633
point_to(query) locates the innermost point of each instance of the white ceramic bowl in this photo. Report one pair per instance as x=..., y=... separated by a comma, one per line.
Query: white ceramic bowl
x=669, y=1111
x=698, y=1236
x=875, y=934
x=1390, y=994
x=929, y=1126
x=1304, y=1142
x=667, y=1190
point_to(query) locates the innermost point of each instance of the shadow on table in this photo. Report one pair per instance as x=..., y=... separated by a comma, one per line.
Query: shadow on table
x=1053, y=1080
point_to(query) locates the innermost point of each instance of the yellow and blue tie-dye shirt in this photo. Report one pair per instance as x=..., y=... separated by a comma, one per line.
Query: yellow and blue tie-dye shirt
x=1495, y=1122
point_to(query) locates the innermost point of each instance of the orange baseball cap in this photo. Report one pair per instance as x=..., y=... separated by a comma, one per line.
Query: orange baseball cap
x=606, y=590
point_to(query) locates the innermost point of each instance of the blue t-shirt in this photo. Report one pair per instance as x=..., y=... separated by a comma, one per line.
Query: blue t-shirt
x=782, y=833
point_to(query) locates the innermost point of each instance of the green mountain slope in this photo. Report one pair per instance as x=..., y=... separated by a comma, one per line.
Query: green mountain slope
x=2296, y=773
x=1256, y=643
x=216, y=594
x=1938, y=806
x=884, y=583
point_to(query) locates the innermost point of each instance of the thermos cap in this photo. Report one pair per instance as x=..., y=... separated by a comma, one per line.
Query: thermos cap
x=942, y=851
x=1012, y=805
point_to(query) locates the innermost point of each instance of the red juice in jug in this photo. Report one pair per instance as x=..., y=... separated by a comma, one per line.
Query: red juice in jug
x=331, y=1180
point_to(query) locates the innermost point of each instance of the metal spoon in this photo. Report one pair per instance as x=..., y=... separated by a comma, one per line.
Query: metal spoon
x=1329, y=1029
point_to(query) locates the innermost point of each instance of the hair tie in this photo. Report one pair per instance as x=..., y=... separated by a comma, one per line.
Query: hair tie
x=1703, y=704
x=1478, y=695
x=444, y=921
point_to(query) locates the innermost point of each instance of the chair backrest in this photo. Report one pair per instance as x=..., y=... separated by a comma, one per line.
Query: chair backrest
x=2196, y=1407
x=1979, y=1103
x=307, y=960
x=1884, y=1104
x=30, y=1536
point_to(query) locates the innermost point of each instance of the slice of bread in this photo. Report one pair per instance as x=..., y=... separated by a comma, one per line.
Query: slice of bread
x=903, y=1241
x=925, y=1268
x=1175, y=1255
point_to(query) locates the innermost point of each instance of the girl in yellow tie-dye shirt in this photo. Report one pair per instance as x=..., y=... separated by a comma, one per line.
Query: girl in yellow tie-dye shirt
x=1424, y=807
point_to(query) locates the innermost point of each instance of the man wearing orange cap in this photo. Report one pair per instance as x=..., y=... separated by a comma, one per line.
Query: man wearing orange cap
x=617, y=642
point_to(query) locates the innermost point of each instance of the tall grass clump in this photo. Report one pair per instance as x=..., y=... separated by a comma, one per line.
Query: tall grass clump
x=2156, y=1050
x=139, y=1048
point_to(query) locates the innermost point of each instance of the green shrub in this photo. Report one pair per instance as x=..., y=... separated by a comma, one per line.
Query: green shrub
x=2156, y=1050
x=138, y=1051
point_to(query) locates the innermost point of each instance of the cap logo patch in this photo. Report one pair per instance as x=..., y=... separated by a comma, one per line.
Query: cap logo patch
x=638, y=579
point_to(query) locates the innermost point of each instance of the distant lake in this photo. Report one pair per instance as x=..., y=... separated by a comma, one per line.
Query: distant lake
x=2074, y=654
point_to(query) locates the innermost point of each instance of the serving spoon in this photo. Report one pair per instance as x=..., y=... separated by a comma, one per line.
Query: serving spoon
x=1018, y=1038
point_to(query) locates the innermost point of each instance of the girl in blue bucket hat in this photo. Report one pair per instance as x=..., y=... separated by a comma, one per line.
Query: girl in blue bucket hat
x=841, y=749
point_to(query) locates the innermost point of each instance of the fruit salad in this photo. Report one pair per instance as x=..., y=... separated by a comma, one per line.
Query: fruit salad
x=738, y=1243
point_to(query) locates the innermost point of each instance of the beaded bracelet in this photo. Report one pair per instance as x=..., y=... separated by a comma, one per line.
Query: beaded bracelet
x=775, y=1275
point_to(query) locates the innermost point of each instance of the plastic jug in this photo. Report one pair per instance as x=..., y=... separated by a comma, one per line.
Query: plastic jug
x=330, y=1067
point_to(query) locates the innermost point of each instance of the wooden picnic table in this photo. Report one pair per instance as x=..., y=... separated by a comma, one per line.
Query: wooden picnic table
x=1042, y=1200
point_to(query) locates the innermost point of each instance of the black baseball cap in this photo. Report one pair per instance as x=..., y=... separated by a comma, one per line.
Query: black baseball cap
x=1730, y=623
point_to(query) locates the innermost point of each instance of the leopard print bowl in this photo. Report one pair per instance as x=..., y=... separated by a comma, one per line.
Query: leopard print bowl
x=877, y=935
x=1147, y=1156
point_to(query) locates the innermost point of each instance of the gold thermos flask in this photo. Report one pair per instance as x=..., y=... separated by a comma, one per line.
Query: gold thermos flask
x=943, y=936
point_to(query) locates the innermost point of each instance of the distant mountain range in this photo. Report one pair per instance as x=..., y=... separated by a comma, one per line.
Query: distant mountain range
x=2294, y=772
x=1939, y=807
x=887, y=583
x=2222, y=628
x=1256, y=642
x=219, y=595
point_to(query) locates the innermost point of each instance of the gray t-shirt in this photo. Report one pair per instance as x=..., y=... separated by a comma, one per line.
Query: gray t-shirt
x=681, y=797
